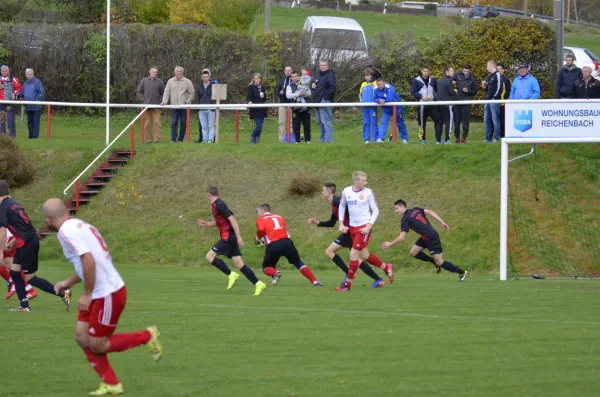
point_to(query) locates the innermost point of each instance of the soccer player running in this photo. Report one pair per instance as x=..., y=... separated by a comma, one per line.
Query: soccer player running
x=272, y=229
x=416, y=219
x=230, y=242
x=9, y=253
x=103, y=299
x=343, y=240
x=363, y=212
x=14, y=218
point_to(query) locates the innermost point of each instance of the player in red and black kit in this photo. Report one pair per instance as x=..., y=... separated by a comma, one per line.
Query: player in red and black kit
x=271, y=228
x=230, y=242
x=14, y=217
x=343, y=240
x=415, y=219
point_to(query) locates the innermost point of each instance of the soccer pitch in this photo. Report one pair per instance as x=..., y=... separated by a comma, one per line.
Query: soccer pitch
x=424, y=335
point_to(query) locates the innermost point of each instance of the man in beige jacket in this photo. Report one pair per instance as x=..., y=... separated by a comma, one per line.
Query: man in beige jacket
x=179, y=91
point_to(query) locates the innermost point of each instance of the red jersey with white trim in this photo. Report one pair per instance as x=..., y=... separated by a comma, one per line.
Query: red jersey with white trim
x=361, y=206
x=271, y=227
x=78, y=238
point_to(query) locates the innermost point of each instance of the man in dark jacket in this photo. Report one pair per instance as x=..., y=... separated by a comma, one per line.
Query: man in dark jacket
x=587, y=87
x=206, y=116
x=506, y=86
x=424, y=89
x=281, y=93
x=325, y=88
x=300, y=116
x=33, y=90
x=466, y=89
x=493, y=91
x=566, y=79
x=446, y=92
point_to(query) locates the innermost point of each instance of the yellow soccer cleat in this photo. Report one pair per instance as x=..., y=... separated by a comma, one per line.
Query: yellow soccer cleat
x=233, y=276
x=108, y=390
x=260, y=287
x=154, y=344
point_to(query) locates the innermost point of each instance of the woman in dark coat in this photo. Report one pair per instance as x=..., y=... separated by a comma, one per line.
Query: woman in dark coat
x=257, y=94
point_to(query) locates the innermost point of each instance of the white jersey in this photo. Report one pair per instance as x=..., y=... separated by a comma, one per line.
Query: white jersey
x=78, y=238
x=362, y=206
x=9, y=235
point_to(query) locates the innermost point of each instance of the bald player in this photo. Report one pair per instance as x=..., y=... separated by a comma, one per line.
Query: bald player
x=103, y=299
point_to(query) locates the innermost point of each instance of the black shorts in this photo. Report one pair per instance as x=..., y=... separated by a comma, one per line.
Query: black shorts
x=275, y=250
x=227, y=248
x=344, y=240
x=27, y=256
x=434, y=245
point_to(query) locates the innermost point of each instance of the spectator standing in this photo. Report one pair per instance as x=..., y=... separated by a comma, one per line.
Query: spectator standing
x=587, y=87
x=281, y=92
x=206, y=117
x=325, y=88
x=491, y=112
x=424, y=89
x=384, y=93
x=179, y=91
x=301, y=115
x=257, y=94
x=369, y=113
x=525, y=86
x=446, y=92
x=466, y=89
x=565, y=81
x=33, y=90
x=10, y=89
x=150, y=92
x=506, y=86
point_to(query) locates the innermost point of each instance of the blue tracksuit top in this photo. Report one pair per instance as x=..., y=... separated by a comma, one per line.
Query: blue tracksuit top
x=388, y=94
x=525, y=88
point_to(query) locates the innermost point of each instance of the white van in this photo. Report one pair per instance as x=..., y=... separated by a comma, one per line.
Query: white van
x=336, y=38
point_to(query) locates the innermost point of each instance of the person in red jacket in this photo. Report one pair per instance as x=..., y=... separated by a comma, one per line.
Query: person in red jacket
x=10, y=87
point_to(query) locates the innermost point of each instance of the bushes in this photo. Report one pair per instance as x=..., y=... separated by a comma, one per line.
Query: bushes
x=15, y=167
x=235, y=15
x=305, y=186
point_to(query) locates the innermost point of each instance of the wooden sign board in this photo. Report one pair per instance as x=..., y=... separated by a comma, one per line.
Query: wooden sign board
x=219, y=89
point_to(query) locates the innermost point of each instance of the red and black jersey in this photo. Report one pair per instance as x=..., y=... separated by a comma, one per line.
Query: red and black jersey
x=14, y=218
x=335, y=214
x=271, y=227
x=415, y=219
x=221, y=213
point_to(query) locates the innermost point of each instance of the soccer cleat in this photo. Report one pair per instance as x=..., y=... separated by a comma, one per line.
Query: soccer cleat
x=317, y=283
x=344, y=287
x=259, y=288
x=154, y=343
x=20, y=309
x=389, y=270
x=275, y=279
x=31, y=294
x=105, y=390
x=232, y=278
x=67, y=299
x=11, y=291
x=378, y=284
x=463, y=276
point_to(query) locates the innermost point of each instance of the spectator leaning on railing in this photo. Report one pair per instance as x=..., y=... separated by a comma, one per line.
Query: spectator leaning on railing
x=179, y=91
x=150, y=92
x=384, y=93
x=325, y=88
x=587, y=87
x=10, y=88
x=525, y=86
x=567, y=76
x=33, y=90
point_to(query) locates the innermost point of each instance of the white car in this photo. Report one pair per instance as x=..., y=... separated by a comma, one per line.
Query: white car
x=336, y=39
x=584, y=57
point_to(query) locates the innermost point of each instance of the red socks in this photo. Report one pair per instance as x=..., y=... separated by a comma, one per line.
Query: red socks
x=375, y=261
x=4, y=273
x=352, y=270
x=270, y=271
x=306, y=272
x=102, y=367
x=122, y=342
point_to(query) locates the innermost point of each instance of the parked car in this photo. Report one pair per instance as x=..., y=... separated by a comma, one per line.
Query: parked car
x=336, y=38
x=483, y=12
x=584, y=57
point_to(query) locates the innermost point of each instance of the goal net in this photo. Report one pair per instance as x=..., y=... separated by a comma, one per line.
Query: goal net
x=553, y=217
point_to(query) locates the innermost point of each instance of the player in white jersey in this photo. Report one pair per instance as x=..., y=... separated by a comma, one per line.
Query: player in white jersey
x=103, y=299
x=363, y=212
x=10, y=249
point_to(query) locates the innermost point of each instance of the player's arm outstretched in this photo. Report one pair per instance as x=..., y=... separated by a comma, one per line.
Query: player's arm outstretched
x=329, y=223
x=374, y=214
x=204, y=223
x=438, y=218
x=236, y=230
x=342, y=213
x=397, y=240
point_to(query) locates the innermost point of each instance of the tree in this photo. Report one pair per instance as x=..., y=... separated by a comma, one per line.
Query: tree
x=189, y=11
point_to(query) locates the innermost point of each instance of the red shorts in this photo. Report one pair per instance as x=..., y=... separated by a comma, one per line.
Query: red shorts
x=104, y=313
x=359, y=240
x=11, y=252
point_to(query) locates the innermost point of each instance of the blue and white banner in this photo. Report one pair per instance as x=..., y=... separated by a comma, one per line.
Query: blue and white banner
x=553, y=120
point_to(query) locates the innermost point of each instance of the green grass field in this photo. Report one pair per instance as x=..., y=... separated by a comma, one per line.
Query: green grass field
x=424, y=335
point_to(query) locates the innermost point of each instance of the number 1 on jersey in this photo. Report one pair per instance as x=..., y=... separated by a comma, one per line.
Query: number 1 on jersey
x=276, y=223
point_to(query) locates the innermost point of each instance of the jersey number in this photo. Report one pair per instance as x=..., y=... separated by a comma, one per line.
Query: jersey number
x=422, y=219
x=24, y=217
x=276, y=223
x=99, y=238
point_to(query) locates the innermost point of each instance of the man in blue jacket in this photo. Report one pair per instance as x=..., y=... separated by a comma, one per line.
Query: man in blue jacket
x=325, y=88
x=384, y=93
x=33, y=90
x=525, y=86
